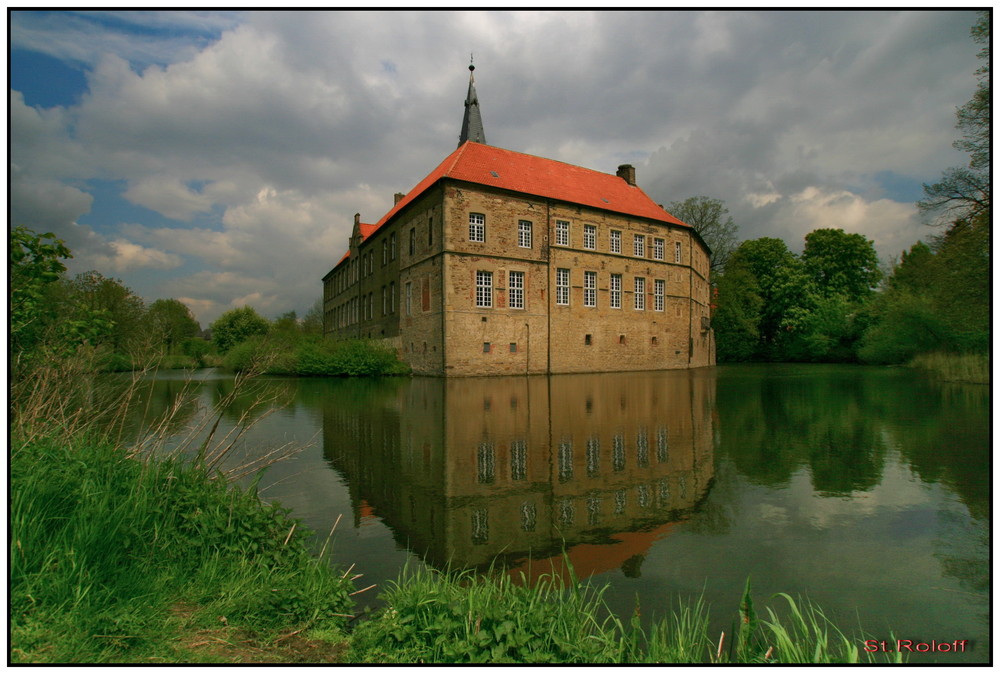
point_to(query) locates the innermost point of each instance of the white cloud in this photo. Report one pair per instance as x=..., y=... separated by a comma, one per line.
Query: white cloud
x=267, y=131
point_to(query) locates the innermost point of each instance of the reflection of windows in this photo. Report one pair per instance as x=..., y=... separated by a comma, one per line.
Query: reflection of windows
x=485, y=463
x=480, y=526
x=567, y=512
x=618, y=453
x=528, y=516
x=682, y=486
x=593, y=509
x=661, y=444
x=643, y=490
x=620, y=499
x=642, y=448
x=518, y=460
x=565, y=459
x=593, y=456
x=662, y=492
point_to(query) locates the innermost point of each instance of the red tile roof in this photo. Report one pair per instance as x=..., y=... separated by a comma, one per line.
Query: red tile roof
x=518, y=172
x=509, y=170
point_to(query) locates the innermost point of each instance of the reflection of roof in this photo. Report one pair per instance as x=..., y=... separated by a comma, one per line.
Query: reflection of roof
x=589, y=559
x=525, y=173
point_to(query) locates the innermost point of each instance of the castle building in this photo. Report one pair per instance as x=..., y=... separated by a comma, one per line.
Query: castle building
x=501, y=263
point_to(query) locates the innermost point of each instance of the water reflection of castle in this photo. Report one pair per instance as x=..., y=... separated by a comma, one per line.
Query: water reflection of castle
x=465, y=470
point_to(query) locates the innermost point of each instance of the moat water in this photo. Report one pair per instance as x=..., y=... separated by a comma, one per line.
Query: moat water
x=866, y=490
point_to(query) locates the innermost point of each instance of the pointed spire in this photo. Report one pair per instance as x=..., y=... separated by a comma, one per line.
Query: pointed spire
x=472, y=122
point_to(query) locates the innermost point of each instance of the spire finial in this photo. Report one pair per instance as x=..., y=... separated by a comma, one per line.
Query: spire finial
x=471, y=65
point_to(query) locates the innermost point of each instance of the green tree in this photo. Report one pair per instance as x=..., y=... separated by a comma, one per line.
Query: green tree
x=172, y=322
x=964, y=192
x=237, y=325
x=736, y=317
x=839, y=263
x=312, y=322
x=93, y=294
x=781, y=284
x=710, y=218
x=34, y=268
x=287, y=322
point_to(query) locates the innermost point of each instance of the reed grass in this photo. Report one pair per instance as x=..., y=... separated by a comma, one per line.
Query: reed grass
x=447, y=618
x=109, y=536
x=969, y=368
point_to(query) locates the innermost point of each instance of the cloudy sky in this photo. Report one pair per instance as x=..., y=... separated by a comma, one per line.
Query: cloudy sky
x=218, y=157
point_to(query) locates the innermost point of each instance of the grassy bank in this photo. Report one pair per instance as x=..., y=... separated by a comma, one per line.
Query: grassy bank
x=115, y=559
x=460, y=618
x=969, y=368
x=314, y=357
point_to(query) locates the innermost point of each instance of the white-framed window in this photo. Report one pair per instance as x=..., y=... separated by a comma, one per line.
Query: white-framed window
x=590, y=236
x=477, y=227
x=562, y=286
x=392, y=246
x=640, y=293
x=515, y=290
x=524, y=233
x=409, y=298
x=616, y=241
x=562, y=233
x=639, y=245
x=590, y=288
x=657, y=249
x=659, y=288
x=385, y=252
x=385, y=300
x=616, y=291
x=677, y=252
x=484, y=289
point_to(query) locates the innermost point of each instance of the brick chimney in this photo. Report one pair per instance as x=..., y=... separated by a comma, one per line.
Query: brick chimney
x=397, y=197
x=627, y=173
x=357, y=219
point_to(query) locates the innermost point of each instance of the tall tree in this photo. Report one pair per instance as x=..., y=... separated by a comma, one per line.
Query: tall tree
x=710, y=218
x=95, y=293
x=841, y=263
x=34, y=268
x=964, y=192
x=237, y=325
x=172, y=322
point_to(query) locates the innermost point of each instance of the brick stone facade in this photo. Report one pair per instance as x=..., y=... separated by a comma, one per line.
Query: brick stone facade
x=465, y=278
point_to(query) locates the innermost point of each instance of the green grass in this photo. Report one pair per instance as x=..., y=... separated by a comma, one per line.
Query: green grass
x=105, y=548
x=970, y=368
x=433, y=617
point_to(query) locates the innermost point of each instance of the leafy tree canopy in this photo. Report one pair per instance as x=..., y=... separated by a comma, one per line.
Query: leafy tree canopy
x=237, y=325
x=172, y=322
x=841, y=263
x=710, y=218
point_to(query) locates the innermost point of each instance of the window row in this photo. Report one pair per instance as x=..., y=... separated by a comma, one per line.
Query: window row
x=486, y=463
x=515, y=290
x=477, y=233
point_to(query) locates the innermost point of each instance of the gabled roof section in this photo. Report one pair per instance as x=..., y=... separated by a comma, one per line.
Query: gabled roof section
x=518, y=172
